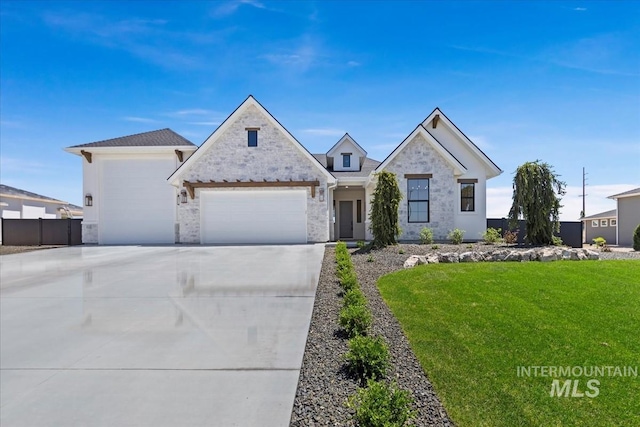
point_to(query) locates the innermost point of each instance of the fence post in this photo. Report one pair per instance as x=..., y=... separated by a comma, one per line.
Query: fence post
x=39, y=231
x=68, y=231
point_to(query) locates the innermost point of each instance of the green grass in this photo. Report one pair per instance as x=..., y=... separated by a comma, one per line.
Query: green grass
x=472, y=325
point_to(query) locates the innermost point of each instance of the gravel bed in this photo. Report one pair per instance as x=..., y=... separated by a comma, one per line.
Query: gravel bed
x=8, y=250
x=323, y=385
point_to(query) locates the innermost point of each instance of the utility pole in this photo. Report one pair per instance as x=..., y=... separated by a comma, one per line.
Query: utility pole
x=584, y=196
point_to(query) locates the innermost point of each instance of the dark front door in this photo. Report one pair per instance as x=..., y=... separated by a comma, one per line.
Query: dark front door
x=346, y=220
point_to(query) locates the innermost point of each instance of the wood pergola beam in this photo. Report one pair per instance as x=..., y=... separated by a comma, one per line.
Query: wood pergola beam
x=191, y=186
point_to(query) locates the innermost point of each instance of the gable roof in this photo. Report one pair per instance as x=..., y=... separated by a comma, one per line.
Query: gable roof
x=630, y=193
x=607, y=214
x=458, y=167
x=17, y=193
x=368, y=165
x=347, y=137
x=250, y=101
x=491, y=167
x=155, y=138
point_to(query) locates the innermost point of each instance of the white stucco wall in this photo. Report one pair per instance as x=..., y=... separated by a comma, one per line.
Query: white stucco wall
x=275, y=157
x=345, y=147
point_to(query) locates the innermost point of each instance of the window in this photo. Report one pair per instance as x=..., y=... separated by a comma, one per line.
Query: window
x=252, y=137
x=594, y=222
x=346, y=160
x=418, y=199
x=467, y=196
x=604, y=223
x=359, y=211
x=613, y=222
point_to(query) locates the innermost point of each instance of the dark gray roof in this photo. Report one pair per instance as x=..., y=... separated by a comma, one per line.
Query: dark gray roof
x=155, y=138
x=12, y=191
x=368, y=166
x=607, y=214
x=627, y=193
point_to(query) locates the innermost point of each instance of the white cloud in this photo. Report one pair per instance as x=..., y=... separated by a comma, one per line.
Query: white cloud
x=353, y=64
x=191, y=112
x=205, y=123
x=230, y=7
x=139, y=119
x=580, y=9
x=499, y=200
x=324, y=131
x=481, y=142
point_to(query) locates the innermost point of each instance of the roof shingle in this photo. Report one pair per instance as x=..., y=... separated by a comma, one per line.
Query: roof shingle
x=156, y=138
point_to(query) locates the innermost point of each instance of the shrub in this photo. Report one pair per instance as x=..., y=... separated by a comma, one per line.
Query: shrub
x=456, y=235
x=355, y=320
x=370, y=258
x=384, y=210
x=492, y=235
x=435, y=247
x=354, y=297
x=426, y=236
x=556, y=241
x=381, y=405
x=510, y=237
x=368, y=357
x=348, y=280
x=636, y=239
x=599, y=242
x=400, y=251
x=361, y=244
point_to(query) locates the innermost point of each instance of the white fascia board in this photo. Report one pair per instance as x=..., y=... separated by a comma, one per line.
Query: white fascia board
x=492, y=169
x=353, y=180
x=346, y=137
x=130, y=150
x=623, y=196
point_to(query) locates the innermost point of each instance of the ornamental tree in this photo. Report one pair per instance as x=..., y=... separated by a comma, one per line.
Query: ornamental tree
x=384, y=210
x=537, y=193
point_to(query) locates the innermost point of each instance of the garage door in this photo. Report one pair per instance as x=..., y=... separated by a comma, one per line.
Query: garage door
x=255, y=217
x=138, y=205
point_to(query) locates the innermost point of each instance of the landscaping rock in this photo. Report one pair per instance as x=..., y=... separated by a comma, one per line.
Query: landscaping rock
x=592, y=255
x=547, y=255
x=471, y=257
x=529, y=255
x=514, y=256
x=411, y=262
x=449, y=257
x=433, y=259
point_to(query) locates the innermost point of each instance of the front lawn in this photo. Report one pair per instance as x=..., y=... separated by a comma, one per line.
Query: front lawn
x=472, y=325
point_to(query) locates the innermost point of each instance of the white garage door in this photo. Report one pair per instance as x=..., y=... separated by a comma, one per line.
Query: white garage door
x=255, y=217
x=137, y=203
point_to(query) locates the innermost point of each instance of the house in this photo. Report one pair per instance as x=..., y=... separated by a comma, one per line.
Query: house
x=252, y=181
x=627, y=215
x=600, y=225
x=16, y=203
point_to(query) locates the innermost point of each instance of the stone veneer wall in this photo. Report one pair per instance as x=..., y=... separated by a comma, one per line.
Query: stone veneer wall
x=275, y=157
x=89, y=233
x=419, y=157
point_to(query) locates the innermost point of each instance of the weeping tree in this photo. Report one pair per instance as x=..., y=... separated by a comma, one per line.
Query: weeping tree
x=384, y=210
x=536, y=198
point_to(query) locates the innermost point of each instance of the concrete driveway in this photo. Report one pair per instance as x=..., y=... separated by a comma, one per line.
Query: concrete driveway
x=154, y=336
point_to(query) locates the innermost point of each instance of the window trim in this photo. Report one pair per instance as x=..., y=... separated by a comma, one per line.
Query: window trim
x=604, y=223
x=347, y=157
x=252, y=131
x=462, y=182
x=613, y=222
x=411, y=177
x=595, y=223
x=359, y=211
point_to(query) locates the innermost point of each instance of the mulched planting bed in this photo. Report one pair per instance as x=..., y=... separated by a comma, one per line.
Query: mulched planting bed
x=324, y=385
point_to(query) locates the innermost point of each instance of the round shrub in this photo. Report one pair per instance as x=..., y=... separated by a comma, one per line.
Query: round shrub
x=354, y=297
x=368, y=357
x=426, y=236
x=381, y=405
x=636, y=239
x=355, y=320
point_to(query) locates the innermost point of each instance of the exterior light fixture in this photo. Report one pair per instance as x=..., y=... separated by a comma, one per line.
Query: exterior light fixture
x=321, y=194
x=183, y=196
x=88, y=200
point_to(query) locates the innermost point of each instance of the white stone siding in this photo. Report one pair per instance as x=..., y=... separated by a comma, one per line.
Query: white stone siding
x=419, y=157
x=89, y=233
x=275, y=157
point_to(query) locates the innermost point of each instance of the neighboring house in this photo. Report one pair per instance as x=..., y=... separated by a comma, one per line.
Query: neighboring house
x=251, y=181
x=628, y=215
x=21, y=204
x=600, y=225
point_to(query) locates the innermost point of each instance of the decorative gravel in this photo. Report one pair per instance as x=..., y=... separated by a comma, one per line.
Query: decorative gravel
x=324, y=386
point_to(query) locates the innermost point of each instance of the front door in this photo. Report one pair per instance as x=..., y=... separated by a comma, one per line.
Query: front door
x=346, y=219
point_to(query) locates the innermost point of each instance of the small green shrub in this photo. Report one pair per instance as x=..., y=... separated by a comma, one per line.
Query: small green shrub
x=400, y=251
x=510, y=237
x=492, y=236
x=636, y=239
x=354, y=297
x=355, y=320
x=381, y=405
x=370, y=258
x=426, y=236
x=456, y=236
x=599, y=242
x=361, y=244
x=368, y=357
x=556, y=241
x=348, y=280
x=435, y=247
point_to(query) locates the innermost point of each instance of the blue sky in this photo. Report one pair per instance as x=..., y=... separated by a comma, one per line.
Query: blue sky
x=556, y=81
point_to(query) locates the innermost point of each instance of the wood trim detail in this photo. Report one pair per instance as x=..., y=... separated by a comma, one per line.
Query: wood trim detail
x=86, y=154
x=435, y=120
x=418, y=175
x=180, y=155
x=467, y=181
x=254, y=128
x=191, y=186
